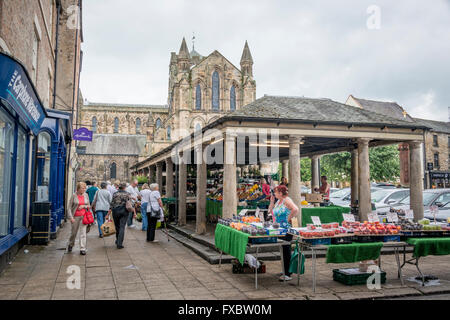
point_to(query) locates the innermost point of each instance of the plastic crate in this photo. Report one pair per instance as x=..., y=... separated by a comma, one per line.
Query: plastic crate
x=356, y=277
x=320, y=241
x=342, y=240
x=393, y=238
x=263, y=240
x=368, y=238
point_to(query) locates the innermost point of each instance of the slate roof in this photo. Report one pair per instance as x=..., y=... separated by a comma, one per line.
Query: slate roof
x=436, y=126
x=391, y=109
x=115, y=144
x=315, y=110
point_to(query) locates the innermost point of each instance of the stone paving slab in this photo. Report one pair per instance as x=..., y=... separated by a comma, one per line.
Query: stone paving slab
x=168, y=271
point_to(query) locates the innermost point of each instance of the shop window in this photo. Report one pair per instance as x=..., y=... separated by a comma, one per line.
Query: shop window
x=138, y=126
x=21, y=164
x=435, y=140
x=215, y=91
x=198, y=98
x=436, y=160
x=6, y=157
x=43, y=167
x=113, y=171
x=232, y=98
x=94, y=124
x=116, y=125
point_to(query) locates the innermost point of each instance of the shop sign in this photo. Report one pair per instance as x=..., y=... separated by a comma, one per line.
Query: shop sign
x=82, y=134
x=373, y=217
x=440, y=175
x=17, y=90
x=430, y=166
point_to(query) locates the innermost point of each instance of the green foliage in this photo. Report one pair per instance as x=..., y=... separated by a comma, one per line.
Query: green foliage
x=337, y=166
x=141, y=179
x=384, y=163
x=305, y=169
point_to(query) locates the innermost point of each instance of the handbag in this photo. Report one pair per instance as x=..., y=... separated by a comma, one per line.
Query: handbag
x=129, y=206
x=108, y=228
x=293, y=266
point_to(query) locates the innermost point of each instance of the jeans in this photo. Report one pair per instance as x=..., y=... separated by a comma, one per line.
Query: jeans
x=100, y=220
x=120, y=220
x=151, y=227
x=287, y=254
x=144, y=216
x=130, y=218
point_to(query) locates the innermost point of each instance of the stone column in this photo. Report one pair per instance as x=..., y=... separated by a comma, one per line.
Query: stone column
x=285, y=169
x=365, y=206
x=229, y=206
x=354, y=177
x=315, y=174
x=415, y=180
x=169, y=178
x=159, y=179
x=151, y=175
x=200, y=225
x=294, y=173
x=182, y=190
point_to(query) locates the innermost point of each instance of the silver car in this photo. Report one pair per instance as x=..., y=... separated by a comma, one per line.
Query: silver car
x=385, y=198
x=442, y=216
x=437, y=197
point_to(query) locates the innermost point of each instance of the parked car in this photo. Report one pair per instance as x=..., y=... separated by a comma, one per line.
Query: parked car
x=384, y=185
x=343, y=197
x=384, y=198
x=305, y=189
x=333, y=190
x=442, y=216
x=437, y=197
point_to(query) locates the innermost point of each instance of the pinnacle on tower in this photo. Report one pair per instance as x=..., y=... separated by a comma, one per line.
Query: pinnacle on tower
x=184, y=52
x=246, y=55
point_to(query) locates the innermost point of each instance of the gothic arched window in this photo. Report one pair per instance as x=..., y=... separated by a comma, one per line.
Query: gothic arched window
x=138, y=126
x=215, y=91
x=169, y=132
x=113, y=171
x=232, y=98
x=198, y=98
x=198, y=127
x=116, y=125
x=94, y=125
x=158, y=123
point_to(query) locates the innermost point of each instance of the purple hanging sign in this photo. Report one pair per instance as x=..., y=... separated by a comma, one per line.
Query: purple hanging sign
x=82, y=134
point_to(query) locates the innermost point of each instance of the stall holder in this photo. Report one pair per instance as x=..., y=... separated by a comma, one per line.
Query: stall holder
x=236, y=244
x=348, y=253
x=424, y=247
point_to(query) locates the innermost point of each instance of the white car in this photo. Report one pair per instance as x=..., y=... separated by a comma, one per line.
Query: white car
x=385, y=198
x=338, y=198
x=442, y=216
x=437, y=197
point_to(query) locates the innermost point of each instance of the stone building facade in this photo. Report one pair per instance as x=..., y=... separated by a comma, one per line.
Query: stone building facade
x=201, y=90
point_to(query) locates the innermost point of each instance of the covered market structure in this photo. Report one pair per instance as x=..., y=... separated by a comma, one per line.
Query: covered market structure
x=285, y=129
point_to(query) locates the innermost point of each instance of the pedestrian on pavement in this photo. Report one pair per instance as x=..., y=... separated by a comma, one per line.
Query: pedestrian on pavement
x=91, y=191
x=115, y=187
x=101, y=205
x=78, y=205
x=145, y=194
x=133, y=190
x=155, y=205
x=282, y=212
x=120, y=213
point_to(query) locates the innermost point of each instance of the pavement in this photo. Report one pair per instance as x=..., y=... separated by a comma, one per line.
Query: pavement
x=167, y=270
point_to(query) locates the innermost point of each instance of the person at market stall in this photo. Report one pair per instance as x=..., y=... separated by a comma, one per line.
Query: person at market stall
x=324, y=188
x=282, y=212
x=265, y=187
x=284, y=182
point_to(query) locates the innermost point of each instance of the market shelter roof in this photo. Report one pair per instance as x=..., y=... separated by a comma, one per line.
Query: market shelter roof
x=326, y=126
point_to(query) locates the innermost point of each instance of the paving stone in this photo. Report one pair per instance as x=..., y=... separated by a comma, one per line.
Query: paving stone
x=359, y=295
x=171, y=296
x=400, y=292
x=443, y=288
x=188, y=284
x=100, y=283
x=324, y=296
x=226, y=293
x=135, y=295
x=103, y=294
x=260, y=294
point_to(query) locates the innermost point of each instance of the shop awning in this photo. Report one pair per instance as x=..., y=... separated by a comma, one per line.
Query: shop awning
x=17, y=90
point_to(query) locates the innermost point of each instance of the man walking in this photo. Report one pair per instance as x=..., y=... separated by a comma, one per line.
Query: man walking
x=133, y=191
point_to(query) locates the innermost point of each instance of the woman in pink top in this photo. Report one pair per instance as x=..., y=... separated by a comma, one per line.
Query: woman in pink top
x=265, y=187
x=78, y=205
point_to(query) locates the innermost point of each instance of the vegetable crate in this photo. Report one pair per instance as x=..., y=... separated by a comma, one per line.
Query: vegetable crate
x=352, y=277
x=238, y=268
x=318, y=241
x=377, y=238
x=263, y=240
x=342, y=240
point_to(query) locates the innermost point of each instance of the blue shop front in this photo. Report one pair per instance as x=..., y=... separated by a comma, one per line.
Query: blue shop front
x=32, y=157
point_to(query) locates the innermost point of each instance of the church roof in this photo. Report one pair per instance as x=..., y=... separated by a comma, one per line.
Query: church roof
x=194, y=53
x=391, y=109
x=115, y=144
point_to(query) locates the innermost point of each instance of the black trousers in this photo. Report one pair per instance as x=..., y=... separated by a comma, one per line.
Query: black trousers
x=151, y=227
x=287, y=254
x=120, y=221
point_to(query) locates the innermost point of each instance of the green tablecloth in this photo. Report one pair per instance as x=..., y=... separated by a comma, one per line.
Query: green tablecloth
x=348, y=253
x=213, y=207
x=326, y=214
x=231, y=241
x=430, y=246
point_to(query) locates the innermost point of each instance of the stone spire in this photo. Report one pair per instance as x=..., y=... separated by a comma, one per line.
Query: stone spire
x=184, y=59
x=184, y=52
x=247, y=61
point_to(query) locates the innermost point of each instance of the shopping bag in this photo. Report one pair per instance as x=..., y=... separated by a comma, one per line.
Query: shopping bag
x=88, y=218
x=293, y=266
x=108, y=228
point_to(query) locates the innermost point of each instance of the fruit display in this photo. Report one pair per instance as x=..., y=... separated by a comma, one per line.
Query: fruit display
x=376, y=228
x=351, y=225
x=432, y=227
x=333, y=225
x=252, y=193
x=250, y=219
x=408, y=225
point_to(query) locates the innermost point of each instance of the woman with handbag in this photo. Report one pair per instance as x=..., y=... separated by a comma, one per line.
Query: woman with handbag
x=100, y=205
x=78, y=208
x=121, y=206
x=154, y=209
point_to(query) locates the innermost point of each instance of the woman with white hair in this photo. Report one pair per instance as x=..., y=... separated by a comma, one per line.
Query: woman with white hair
x=154, y=208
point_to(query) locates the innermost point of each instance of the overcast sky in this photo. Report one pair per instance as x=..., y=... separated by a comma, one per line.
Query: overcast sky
x=300, y=48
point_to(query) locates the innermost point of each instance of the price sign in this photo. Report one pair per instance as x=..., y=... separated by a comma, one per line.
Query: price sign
x=348, y=217
x=294, y=222
x=259, y=214
x=316, y=220
x=409, y=214
x=373, y=217
x=434, y=211
x=392, y=217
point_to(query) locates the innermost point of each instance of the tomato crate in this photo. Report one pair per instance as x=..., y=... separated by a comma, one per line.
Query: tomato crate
x=262, y=240
x=353, y=276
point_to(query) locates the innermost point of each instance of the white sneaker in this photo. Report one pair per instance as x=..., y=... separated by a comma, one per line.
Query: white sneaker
x=132, y=226
x=154, y=241
x=285, y=278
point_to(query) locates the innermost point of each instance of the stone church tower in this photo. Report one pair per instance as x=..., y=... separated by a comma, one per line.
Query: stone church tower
x=205, y=88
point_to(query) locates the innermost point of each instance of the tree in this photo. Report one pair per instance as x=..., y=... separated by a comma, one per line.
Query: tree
x=384, y=163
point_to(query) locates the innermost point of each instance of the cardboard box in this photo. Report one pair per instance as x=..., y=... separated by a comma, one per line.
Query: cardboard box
x=313, y=197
